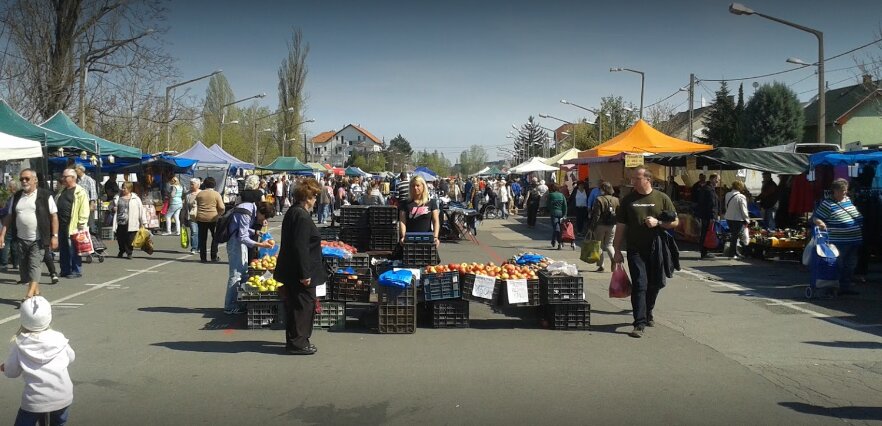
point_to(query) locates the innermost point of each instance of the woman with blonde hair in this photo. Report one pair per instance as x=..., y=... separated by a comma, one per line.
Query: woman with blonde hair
x=175, y=203
x=736, y=216
x=420, y=214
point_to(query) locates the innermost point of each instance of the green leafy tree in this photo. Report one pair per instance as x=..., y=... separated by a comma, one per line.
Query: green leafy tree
x=358, y=160
x=398, y=154
x=376, y=162
x=472, y=159
x=739, y=117
x=401, y=145
x=721, y=125
x=615, y=116
x=773, y=116
x=218, y=94
x=435, y=161
x=292, y=79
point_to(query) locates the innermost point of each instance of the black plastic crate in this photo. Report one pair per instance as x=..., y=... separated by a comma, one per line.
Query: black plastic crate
x=420, y=254
x=383, y=217
x=445, y=314
x=468, y=283
x=394, y=319
x=351, y=287
x=358, y=238
x=440, y=286
x=383, y=239
x=357, y=261
x=569, y=316
x=332, y=317
x=354, y=217
x=329, y=233
x=561, y=288
x=534, y=294
x=256, y=296
x=264, y=315
x=397, y=296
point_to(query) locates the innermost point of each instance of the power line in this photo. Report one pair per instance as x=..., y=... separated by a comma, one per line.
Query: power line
x=664, y=99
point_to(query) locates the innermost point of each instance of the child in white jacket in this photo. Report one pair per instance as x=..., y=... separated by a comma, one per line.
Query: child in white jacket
x=42, y=356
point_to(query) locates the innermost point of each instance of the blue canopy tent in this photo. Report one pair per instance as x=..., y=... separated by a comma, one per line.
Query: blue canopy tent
x=182, y=166
x=355, y=171
x=844, y=158
x=426, y=176
x=237, y=163
x=210, y=165
x=425, y=170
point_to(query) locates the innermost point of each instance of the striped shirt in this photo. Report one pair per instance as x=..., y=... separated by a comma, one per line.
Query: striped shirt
x=843, y=221
x=403, y=190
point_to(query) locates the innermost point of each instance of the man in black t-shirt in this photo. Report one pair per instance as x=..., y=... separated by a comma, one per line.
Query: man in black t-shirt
x=638, y=225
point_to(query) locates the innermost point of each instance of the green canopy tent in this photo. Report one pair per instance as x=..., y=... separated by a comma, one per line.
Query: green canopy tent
x=61, y=123
x=287, y=164
x=725, y=158
x=12, y=123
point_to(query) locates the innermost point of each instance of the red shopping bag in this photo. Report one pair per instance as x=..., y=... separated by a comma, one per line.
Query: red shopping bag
x=164, y=209
x=566, y=231
x=710, y=238
x=619, y=284
x=83, y=243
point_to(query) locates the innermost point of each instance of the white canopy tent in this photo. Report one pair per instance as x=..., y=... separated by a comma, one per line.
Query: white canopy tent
x=535, y=164
x=16, y=148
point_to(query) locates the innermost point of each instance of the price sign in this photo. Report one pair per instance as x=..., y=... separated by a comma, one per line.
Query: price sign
x=484, y=287
x=633, y=160
x=321, y=290
x=691, y=163
x=517, y=291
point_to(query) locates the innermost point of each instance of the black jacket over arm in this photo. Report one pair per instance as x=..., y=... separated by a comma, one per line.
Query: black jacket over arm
x=300, y=255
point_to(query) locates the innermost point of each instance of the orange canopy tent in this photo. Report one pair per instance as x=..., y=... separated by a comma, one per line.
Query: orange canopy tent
x=641, y=138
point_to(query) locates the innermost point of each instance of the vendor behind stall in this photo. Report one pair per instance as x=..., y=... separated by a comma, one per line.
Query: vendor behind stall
x=420, y=214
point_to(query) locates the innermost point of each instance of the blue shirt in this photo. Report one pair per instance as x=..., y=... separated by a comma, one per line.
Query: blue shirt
x=241, y=224
x=516, y=189
x=593, y=196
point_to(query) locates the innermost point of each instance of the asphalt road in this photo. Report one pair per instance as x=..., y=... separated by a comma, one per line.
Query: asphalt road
x=736, y=343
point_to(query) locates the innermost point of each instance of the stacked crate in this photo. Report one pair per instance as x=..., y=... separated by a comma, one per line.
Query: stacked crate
x=332, y=317
x=445, y=314
x=468, y=285
x=383, y=222
x=564, y=297
x=397, y=309
x=355, y=226
x=263, y=309
x=346, y=287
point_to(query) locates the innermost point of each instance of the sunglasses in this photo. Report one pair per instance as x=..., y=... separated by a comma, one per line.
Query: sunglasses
x=24, y=179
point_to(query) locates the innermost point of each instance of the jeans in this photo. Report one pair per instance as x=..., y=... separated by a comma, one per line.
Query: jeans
x=605, y=234
x=503, y=207
x=322, y=212
x=194, y=235
x=555, y=231
x=643, y=296
x=769, y=217
x=846, y=262
x=173, y=212
x=55, y=418
x=8, y=252
x=735, y=230
x=71, y=264
x=238, y=260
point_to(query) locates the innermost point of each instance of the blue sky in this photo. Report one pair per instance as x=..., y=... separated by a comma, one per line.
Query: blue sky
x=450, y=74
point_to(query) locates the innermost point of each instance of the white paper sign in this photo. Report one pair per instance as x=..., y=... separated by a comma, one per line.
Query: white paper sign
x=483, y=287
x=321, y=290
x=517, y=291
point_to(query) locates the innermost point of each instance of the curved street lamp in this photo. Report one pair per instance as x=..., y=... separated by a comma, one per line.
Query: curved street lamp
x=642, y=80
x=224, y=113
x=168, y=107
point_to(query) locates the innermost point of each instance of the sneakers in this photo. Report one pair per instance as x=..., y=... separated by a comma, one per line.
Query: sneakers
x=309, y=350
x=637, y=332
x=650, y=323
x=709, y=256
x=600, y=269
x=54, y=278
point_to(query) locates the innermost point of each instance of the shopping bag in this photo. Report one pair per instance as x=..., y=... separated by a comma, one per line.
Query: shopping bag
x=566, y=231
x=83, y=243
x=108, y=219
x=590, y=251
x=148, y=246
x=710, y=238
x=140, y=237
x=287, y=202
x=274, y=251
x=809, y=251
x=185, y=238
x=164, y=209
x=619, y=284
x=745, y=236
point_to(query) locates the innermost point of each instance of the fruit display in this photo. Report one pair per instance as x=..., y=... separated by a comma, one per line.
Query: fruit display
x=503, y=272
x=783, y=238
x=537, y=266
x=340, y=245
x=266, y=263
x=264, y=285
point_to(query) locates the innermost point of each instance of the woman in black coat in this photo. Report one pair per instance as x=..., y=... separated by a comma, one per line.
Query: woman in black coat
x=300, y=268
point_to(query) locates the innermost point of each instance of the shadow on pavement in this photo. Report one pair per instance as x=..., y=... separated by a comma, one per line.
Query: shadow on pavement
x=622, y=329
x=217, y=319
x=330, y=413
x=255, y=346
x=11, y=302
x=848, y=345
x=852, y=413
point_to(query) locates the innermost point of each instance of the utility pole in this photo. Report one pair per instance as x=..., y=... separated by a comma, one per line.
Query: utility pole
x=691, y=103
x=305, y=152
x=83, y=75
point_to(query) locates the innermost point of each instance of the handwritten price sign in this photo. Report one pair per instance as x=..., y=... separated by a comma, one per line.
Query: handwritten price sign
x=321, y=290
x=484, y=287
x=517, y=291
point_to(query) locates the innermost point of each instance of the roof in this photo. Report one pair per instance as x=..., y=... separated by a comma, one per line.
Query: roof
x=61, y=123
x=324, y=136
x=641, y=138
x=367, y=133
x=841, y=101
x=680, y=121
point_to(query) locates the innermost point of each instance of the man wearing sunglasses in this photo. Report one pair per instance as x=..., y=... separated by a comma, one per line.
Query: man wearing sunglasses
x=33, y=222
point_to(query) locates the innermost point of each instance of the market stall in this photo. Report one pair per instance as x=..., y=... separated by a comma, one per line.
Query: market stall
x=210, y=164
x=288, y=164
x=16, y=148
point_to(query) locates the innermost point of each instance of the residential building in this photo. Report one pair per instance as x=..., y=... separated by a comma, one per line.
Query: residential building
x=678, y=125
x=853, y=114
x=334, y=147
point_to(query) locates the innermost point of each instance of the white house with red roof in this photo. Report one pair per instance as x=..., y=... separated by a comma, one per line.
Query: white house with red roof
x=335, y=147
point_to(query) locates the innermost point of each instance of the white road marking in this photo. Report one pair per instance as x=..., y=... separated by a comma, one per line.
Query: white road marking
x=140, y=270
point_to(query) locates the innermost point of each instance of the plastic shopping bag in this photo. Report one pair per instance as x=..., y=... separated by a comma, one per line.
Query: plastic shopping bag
x=809, y=251
x=710, y=238
x=590, y=251
x=619, y=284
x=140, y=237
x=185, y=238
x=83, y=243
x=267, y=251
x=400, y=279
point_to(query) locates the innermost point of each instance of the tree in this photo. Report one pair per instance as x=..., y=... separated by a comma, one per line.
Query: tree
x=218, y=94
x=434, y=161
x=773, y=116
x=376, y=162
x=530, y=141
x=659, y=116
x=472, y=159
x=401, y=145
x=739, y=117
x=720, y=127
x=398, y=153
x=52, y=43
x=292, y=79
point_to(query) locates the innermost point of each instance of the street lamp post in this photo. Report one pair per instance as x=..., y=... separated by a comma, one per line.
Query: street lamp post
x=642, y=80
x=593, y=111
x=740, y=9
x=224, y=113
x=168, y=106
x=256, y=120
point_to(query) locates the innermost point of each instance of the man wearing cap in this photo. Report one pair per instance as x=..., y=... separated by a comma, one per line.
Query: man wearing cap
x=33, y=222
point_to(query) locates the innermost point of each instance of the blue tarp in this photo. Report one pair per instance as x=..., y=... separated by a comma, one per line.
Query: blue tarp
x=425, y=170
x=181, y=165
x=127, y=165
x=841, y=158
